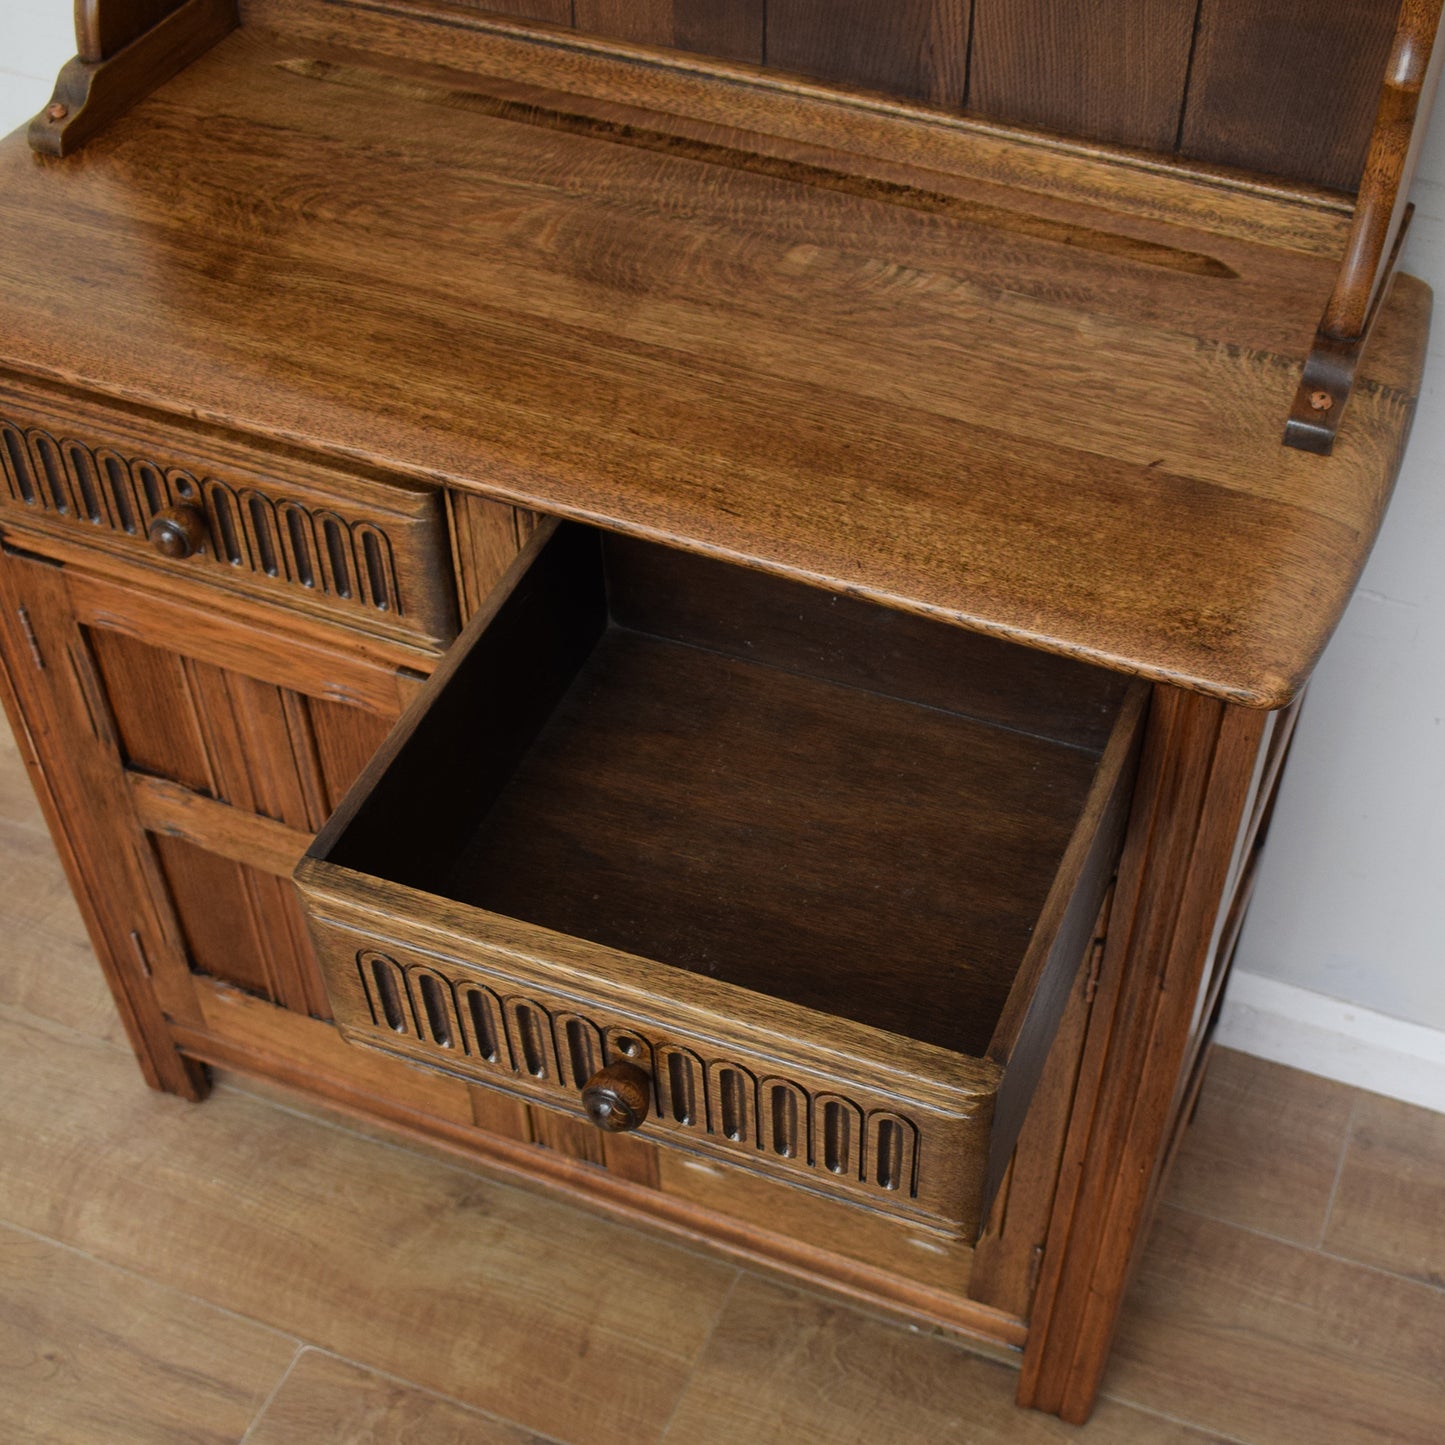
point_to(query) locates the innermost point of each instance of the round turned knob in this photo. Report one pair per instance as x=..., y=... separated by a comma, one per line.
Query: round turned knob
x=178, y=532
x=616, y=1097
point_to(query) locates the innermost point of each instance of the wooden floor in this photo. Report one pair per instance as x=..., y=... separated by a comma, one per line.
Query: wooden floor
x=241, y=1271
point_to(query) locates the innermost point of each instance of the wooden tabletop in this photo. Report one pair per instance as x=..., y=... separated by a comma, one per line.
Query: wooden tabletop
x=1051, y=412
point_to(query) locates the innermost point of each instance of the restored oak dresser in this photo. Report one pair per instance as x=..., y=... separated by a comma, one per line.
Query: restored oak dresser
x=702, y=601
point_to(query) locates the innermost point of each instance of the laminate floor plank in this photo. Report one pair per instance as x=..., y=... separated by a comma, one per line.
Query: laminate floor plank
x=326, y=1399
x=534, y=1311
x=783, y=1367
x=1264, y=1148
x=48, y=969
x=1273, y=1344
x=1389, y=1210
x=17, y=797
x=90, y=1353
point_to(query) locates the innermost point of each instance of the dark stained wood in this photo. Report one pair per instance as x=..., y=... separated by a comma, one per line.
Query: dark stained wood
x=104, y=26
x=90, y=96
x=728, y=29
x=618, y=1097
x=917, y=48
x=792, y=834
x=1287, y=89
x=559, y=12
x=1111, y=70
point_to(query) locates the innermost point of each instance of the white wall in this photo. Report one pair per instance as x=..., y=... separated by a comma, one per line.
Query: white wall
x=1351, y=895
x=1347, y=932
x=37, y=37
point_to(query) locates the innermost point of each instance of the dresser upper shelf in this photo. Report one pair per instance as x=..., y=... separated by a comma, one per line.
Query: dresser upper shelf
x=1031, y=387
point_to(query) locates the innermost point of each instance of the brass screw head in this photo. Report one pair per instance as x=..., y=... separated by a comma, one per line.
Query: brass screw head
x=1321, y=400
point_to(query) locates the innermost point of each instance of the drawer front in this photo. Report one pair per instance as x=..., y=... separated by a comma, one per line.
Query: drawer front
x=369, y=552
x=723, y=1084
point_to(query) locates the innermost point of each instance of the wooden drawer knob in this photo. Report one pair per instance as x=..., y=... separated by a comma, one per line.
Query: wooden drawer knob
x=178, y=532
x=616, y=1097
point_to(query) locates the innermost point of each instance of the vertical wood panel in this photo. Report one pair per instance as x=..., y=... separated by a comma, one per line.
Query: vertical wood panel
x=1287, y=88
x=345, y=739
x=214, y=910
x=1111, y=70
x=913, y=48
x=647, y=22
x=150, y=699
x=559, y=12
x=732, y=30
x=729, y=29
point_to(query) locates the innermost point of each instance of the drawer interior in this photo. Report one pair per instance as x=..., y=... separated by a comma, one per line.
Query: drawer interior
x=802, y=794
x=840, y=815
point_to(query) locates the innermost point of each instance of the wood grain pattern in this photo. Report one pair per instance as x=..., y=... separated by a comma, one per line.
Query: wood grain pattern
x=917, y=48
x=731, y=29
x=94, y=1353
x=1194, y=797
x=324, y=1398
x=1262, y=69
x=448, y=1237
x=778, y=116
x=1386, y=1209
x=1112, y=70
x=783, y=1367
x=1264, y=1148
x=88, y=96
x=1267, y=1339
x=350, y=547
x=49, y=964
x=809, y=483
x=104, y=26
x=48, y=685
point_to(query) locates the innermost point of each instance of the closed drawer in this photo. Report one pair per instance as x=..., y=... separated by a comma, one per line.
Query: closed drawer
x=822, y=872
x=368, y=551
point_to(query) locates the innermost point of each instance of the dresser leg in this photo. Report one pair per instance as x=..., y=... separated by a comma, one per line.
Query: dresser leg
x=1189, y=827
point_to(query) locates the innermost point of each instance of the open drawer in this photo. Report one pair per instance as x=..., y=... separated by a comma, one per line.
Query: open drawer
x=789, y=879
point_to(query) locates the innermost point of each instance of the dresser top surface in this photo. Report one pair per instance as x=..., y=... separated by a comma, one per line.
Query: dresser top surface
x=1051, y=413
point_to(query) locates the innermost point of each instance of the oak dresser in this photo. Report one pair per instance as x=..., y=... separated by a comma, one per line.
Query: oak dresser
x=702, y=601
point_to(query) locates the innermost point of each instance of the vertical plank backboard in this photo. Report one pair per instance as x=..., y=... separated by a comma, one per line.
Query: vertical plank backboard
x=914, y=48
x=1111, y=70
x=727, y=29
x=557, y=12
x=1287, y=88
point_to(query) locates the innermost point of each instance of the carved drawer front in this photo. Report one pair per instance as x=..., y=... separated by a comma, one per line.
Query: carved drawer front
x=774, y=876
x=371, y=552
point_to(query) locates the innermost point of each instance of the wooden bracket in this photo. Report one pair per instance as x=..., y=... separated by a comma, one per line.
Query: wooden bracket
x=1382, y=215
x=90, y=94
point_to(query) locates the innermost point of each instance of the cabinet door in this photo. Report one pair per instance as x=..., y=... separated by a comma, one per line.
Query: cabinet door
x=188, y=754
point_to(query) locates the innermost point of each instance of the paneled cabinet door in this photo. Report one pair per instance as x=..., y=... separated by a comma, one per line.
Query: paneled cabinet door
x=186, y=756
